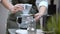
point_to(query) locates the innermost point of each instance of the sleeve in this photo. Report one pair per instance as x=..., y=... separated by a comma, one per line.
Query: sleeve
x=44, y=3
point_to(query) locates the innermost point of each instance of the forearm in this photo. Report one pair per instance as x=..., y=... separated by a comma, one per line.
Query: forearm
x=42, y=10
x=7, y=4
x=43, y=6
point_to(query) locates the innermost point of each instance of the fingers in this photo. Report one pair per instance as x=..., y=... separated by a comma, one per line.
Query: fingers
x=37, y=18
x=36, y=14
x=13, y=10
x=17, y=8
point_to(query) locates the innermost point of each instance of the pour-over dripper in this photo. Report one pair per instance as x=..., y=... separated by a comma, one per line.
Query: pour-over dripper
x=27, y=8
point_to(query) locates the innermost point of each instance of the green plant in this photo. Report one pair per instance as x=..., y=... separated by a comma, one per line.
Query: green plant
x=53, y=24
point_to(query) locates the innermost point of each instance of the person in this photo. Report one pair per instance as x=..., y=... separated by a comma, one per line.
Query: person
x=43, y=6
x=4, y=13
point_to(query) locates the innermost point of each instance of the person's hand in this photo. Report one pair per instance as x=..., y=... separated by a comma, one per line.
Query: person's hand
x=16, y=8
x=37, y=16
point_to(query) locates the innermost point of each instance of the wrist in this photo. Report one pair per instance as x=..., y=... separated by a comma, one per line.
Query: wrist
x=11, y=7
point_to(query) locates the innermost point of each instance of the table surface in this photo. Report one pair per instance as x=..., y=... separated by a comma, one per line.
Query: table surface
x=21, y=31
